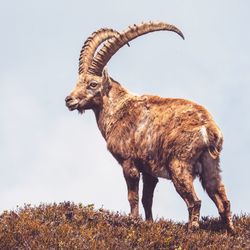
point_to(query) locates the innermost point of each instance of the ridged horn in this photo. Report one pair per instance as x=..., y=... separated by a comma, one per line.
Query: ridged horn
x=116, y=42
x=90, y=46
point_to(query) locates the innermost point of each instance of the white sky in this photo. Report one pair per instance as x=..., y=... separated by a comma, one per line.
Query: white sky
x=48, y=154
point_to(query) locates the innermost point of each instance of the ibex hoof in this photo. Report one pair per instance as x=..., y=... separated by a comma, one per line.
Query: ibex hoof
x=231, y=230
x=193, y=226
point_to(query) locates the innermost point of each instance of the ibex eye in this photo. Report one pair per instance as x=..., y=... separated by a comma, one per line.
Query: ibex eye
x=93, y=84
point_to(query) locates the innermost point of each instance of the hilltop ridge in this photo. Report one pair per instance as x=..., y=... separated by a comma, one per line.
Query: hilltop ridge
x=74, y=226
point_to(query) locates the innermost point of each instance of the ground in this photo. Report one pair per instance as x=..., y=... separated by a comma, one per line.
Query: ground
x=74, y=226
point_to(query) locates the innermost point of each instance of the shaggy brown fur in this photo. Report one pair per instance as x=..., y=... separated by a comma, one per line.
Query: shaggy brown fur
x=170, y=138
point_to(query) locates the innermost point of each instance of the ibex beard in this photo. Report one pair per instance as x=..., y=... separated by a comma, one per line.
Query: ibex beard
x=148, y=135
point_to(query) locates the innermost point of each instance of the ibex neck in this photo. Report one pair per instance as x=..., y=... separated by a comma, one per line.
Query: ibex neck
x=109, y=114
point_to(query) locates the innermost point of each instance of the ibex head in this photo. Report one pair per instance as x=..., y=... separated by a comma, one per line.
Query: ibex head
x=89, y=88
x=88, y=92
x=93, y=80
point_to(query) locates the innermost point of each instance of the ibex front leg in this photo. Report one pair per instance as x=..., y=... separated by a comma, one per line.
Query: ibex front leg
x=149, y=183
x=132, y=177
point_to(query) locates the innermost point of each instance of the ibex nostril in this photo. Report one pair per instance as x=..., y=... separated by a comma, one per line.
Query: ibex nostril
x=68, y=98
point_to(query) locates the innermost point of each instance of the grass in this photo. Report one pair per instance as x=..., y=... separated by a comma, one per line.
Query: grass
x=70, y=226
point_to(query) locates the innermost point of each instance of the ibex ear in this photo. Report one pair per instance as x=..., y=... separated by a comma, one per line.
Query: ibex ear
x=105, y=74
x=106, y=81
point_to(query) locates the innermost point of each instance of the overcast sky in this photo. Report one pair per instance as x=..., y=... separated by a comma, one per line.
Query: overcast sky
x=48, y=154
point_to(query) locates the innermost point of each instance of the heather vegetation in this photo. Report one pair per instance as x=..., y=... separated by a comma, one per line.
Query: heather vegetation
x=70, y=226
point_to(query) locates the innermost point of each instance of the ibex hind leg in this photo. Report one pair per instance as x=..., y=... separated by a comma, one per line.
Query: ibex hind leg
x=181, y=175
x=212, y=183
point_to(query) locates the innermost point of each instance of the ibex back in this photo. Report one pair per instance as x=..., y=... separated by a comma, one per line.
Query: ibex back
x=151, y=136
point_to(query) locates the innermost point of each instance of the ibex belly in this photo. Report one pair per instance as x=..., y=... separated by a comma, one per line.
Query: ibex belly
x=157, y=171
x=161, y=172
x=146, y=141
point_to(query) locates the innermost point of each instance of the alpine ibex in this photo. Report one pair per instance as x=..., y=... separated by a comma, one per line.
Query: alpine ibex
x=148, y=135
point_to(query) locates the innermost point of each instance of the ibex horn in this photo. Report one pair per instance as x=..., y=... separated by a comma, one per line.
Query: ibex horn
x=116, y=42
x=90, y=46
